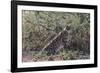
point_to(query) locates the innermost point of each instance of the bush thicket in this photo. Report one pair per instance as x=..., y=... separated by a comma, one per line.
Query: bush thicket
x=40, y=27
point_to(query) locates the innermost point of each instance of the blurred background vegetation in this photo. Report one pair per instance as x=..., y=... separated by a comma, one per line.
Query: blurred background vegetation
x=39, y=27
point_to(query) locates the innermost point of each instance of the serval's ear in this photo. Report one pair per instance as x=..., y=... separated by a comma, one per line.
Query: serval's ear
x=68, y=27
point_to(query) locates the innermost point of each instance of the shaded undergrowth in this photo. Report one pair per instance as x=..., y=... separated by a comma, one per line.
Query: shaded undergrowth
x=63, y=54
